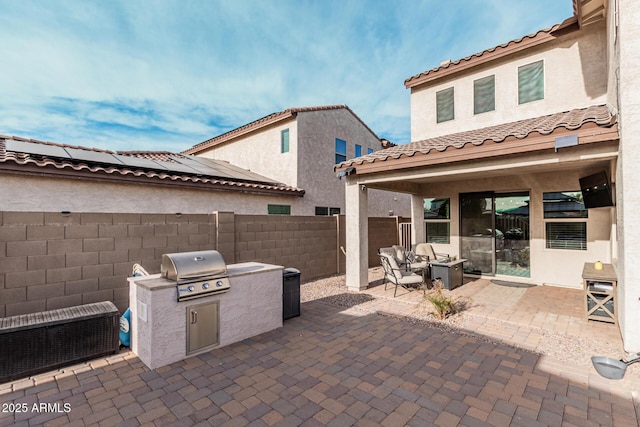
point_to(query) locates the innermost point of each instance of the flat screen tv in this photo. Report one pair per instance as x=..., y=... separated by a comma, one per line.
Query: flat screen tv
x=596, y=190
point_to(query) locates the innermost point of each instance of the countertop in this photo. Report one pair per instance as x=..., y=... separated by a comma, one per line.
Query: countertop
x=155, y=282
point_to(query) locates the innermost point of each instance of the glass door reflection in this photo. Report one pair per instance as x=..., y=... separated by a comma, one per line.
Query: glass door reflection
x=477, y=243
x=512, y=234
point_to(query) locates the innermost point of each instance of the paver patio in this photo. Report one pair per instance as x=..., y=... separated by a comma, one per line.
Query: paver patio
x=349, y=366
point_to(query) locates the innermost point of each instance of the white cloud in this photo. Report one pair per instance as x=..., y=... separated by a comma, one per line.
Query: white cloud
x=163, y=74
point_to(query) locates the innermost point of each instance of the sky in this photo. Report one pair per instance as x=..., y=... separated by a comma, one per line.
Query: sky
x=166, y=75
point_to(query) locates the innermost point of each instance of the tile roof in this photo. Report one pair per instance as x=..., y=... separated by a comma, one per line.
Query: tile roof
x=169, y=169
x=600, y=115
x=449, y=67
x=265, y=121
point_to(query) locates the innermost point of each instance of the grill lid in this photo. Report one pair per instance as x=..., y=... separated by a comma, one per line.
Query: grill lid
x=192, y=266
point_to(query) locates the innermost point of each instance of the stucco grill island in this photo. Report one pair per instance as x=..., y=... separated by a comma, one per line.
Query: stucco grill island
x=198, y=303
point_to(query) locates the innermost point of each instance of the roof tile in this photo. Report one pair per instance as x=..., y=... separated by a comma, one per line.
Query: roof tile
x=480, y=56
x=545, y=125
x=106, y=171
x=266, y=120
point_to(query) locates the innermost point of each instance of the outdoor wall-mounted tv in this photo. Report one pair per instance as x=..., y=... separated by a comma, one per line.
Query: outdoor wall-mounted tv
x=596, y=191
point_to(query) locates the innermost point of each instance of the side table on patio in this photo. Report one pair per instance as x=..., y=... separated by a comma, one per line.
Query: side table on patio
x=600, y=293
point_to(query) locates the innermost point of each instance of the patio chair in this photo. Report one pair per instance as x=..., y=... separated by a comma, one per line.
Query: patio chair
x=396, y=275
x=425, y=252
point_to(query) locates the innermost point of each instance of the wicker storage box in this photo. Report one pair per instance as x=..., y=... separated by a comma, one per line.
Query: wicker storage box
x=39, y=342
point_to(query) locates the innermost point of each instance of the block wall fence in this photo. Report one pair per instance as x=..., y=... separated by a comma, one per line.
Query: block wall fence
x=52, y=260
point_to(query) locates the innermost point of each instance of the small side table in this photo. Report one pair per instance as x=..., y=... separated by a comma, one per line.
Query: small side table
x=600, y=293
x=451, y=273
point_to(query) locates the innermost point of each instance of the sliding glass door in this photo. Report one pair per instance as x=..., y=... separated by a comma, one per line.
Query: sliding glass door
x=494, y=233
x=476, y=232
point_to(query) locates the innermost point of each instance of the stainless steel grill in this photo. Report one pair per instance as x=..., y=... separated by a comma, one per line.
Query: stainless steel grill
x=197, y=274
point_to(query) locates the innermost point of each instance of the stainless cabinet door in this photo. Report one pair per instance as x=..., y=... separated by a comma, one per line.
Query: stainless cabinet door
x=203, y=328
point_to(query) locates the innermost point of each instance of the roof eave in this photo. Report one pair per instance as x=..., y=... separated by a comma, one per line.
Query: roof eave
x=59, y=171
x=567, y=26
x=237, y=133
x=588, y=134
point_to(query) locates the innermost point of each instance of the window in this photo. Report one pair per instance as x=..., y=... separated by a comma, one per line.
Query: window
x=566, y=235
x=565, y=231
x=284, y=141
x=567, y=204
x=437, y=220
x=531, y=82
x=279, y=209
x=341, y=150
x=484, y=95
x=369, y=150
x=358, y=150
x=444, y=105
x=324, y=211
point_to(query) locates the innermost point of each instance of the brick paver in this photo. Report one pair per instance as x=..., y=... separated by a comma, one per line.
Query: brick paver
x=337, y=366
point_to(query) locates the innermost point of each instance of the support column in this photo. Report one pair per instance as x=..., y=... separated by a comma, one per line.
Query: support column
x=417, y=220
x=357, y=229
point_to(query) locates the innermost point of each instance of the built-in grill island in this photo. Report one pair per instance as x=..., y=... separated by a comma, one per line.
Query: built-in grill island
x=198, y=303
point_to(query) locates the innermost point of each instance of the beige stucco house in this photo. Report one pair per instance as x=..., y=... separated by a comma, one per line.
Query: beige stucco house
x=299, y=147
x=501, y=141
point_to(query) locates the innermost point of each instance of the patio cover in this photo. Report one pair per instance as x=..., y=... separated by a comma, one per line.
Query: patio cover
x=518, y=147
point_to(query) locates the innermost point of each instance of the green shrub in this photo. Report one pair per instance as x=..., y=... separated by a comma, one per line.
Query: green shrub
x=443, y=305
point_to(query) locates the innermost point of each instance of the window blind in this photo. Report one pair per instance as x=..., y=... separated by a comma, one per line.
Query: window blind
x=484, y=95
x=531, y=82
x=567, y=235
x=444, y=105
x=284, y=141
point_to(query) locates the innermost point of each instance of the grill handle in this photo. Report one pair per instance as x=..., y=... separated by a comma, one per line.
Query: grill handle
x=200, y=276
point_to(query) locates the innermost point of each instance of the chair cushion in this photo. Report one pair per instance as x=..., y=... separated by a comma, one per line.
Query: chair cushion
x=410, y=279
x=399, y=253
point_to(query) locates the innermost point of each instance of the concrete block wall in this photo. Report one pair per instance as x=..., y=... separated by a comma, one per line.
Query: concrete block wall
x=383, y=232
x=50, y=260
x=307, y=243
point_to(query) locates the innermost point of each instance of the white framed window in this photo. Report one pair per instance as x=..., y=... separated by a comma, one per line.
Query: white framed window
x=444, y=105
x=437, y=220
x=531, y=82
x=564, y=218
x=484, y=95
x=284, y=141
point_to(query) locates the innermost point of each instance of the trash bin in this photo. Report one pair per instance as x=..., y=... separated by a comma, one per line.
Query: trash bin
x=290, y=293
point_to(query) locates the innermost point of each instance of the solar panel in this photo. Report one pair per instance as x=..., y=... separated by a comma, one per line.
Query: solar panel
x=223, y=169
x=193, y=164
x=189, y=165
x=36, y=149
x=137, y=162
x=179, y=167
x=93, y=156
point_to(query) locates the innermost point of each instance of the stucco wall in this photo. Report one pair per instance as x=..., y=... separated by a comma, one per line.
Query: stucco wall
x=575, y=73
x=261, y=153
x=628, y=69
x=548, y=266
x=309, y=164
x=58, y=194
